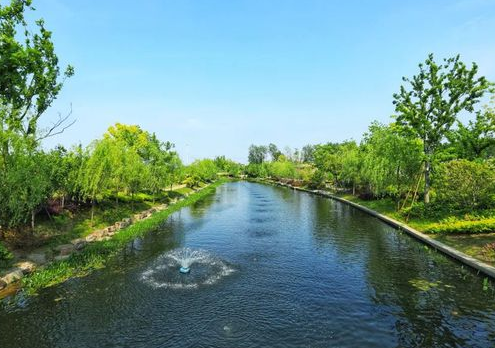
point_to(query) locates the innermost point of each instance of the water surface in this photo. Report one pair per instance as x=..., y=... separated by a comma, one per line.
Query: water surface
x=303, y=271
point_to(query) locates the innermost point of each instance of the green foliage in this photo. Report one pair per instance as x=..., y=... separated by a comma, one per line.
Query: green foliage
x=464, y=185
x=257, y=154
x=228, y=166
x=476, y=140
x=282, y=169
x=456, y=226
x=5, y=254
x=275, y=153
x=199, y=171
x=429, y=108
x=254, y=170
x=391, y=162
x=317, y=180
x=29, y=71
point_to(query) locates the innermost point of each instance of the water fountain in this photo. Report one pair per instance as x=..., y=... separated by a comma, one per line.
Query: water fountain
x=200, y=266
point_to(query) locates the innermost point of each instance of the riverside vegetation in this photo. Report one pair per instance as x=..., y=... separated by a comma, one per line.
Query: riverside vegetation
x=427, y=167
x=49, y=197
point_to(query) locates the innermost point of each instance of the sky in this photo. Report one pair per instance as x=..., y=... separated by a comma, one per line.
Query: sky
x=214, y=76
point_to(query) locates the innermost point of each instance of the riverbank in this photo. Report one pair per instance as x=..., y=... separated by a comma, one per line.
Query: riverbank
x=454, y=253
x=95, y=253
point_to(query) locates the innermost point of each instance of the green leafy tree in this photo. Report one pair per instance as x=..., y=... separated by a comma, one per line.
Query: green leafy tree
x=96, y=175
x=351, y=164
x=257, y=154
x=308, y=153
x=274, y=151
x=429, y=107
x=476, y=140
x=30, y=77
x=282, y=169
x=465, y=185
x=391, y=162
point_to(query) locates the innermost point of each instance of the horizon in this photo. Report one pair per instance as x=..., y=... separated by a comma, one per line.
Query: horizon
x=214, y=78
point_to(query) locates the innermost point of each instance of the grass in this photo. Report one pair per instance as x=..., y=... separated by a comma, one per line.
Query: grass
x=96, y=254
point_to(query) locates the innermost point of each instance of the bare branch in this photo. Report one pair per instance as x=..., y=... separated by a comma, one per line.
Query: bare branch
x=58, y=127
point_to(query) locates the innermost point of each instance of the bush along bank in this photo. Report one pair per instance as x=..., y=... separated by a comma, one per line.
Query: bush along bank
x=85, y=255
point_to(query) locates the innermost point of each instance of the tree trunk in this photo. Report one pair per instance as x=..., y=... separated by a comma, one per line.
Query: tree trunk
x=92, y=210
x=353, y=188
x=427, y=181
x=33, y=214
x=63, y=202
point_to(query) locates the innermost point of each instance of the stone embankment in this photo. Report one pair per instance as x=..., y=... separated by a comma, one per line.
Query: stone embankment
x=43, y=256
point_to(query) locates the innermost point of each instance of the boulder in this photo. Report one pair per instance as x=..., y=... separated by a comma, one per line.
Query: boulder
x=3, y=284
x=25, y=266
x=37, y=257
x=13, y=276
x=61, y=257
x=79, y=243
x=65, y=249
x=90, y=238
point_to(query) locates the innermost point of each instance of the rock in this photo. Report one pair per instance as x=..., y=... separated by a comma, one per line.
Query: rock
x=126, y=220
x=90, y=238
x=25, y=266
x=13, y=276
x=61, y=257
x=79, y=243
x=3, y=284
x=65, y=249
x=37, y=257
x=118, y=225
x=111, y=228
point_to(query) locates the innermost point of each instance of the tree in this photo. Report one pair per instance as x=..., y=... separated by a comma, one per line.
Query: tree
x=475, y=140
x=391, y=162
x=29, y=71
x=274, y=151
x=328, y=160
x=30, y=80
x=351, y=164
x=308, y=153
x=257, y=154
x=436, y=96
x=97, y=172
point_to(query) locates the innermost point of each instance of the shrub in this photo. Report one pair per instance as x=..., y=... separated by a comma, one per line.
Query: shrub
x=464, y=185
x=455, y=226
x=5, y=254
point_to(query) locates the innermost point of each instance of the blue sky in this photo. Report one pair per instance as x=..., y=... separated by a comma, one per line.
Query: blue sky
x=214, y=76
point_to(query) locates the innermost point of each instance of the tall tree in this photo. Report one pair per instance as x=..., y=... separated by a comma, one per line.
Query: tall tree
x=308, y=153
x=430, y=105
x=274, y=151
x=257, y=154
x=29, y=71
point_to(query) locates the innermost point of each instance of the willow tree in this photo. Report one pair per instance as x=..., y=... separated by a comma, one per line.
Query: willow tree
x=429, y=106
